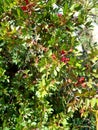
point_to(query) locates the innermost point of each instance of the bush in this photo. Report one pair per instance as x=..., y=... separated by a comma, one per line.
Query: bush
x=44, y=79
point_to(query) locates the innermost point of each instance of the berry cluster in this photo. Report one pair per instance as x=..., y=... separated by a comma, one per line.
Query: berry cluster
x=81, y=81
x=27, y=7
x=63, y=57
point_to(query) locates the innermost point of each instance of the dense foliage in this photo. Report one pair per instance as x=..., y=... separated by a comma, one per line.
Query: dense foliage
x=45, y=82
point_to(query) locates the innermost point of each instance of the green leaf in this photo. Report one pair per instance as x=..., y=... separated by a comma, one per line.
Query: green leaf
x=65, y=8
x=6, y=128
x=55, y=72
x=18, y=12
x=93, y=102
x=2, y=71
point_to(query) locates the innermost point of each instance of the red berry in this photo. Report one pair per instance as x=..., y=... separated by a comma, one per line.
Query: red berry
x=59, y=15
x=63, y=59
x=62, y=52
x=27, y=2
x=67, y=59
x=81, y=80
x=24, y=8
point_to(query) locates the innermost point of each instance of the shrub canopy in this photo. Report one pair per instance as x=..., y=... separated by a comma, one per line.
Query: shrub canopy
x=44, y=79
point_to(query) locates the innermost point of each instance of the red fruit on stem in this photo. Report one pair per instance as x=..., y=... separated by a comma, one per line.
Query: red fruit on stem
x=27, y=2
x=24, y=8
x=64, y=59
x=67, y=59
x=81, y=80
x=59, y=15
x=62, y=52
